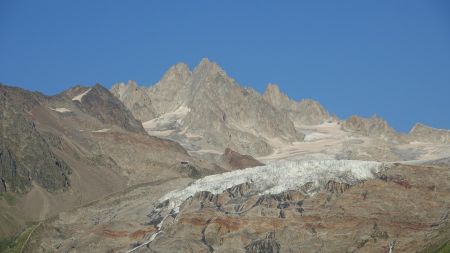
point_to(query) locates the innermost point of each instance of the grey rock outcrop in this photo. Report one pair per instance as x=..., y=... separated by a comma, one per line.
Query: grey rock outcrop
x=102, y=105
x=173, y=90
x=372, y=127
x=135, y=99
x=220, y=110
x=303, y=112
x=424, y=133
x=234, y=161
x=232, y=115
x=25, y=155
x=266, y=245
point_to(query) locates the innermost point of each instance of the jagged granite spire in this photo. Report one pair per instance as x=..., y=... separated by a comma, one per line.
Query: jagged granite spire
x=303, y=112
x=423, y=133
x=220, y=110
x=135, y=99
x=374, y=126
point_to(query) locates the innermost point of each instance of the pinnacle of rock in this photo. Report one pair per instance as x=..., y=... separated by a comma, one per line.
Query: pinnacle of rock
x=207, y=67
x=304, y=112
x=421, y=132
x=177, y=73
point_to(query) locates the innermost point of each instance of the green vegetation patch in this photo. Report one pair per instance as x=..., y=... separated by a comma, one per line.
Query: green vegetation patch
x=6, y=243
x=17, y=244
x=444, y=249
x=9, y=198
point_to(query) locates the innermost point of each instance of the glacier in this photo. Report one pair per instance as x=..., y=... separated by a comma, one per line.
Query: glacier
x=278, y=177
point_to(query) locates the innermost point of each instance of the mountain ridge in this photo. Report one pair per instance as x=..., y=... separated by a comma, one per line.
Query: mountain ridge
x=205, y=102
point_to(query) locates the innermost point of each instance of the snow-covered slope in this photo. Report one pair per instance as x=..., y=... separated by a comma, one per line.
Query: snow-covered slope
x=80, y=96
x=280, y=176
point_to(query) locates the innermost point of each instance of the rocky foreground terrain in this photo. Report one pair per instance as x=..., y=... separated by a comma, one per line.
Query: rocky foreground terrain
x=198, y=163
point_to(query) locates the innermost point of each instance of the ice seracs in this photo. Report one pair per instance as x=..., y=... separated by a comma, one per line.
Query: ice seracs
x=80, y=96
x=280, y=176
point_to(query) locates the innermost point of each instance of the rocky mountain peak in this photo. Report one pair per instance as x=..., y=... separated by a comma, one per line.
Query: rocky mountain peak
x=274, y=96
x=179, y=72
x=235, y=161
x=136, y=99
x=304, y=112
x=418, y=127
x=132, y=84
x=272, y=89
x=100, y=103
x=374, y=126
x=423, y=133
x=208, y=68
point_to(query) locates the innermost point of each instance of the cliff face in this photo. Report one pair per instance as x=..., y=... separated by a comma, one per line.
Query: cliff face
x=231, y=116
x=219, y=109
x=424, y=133
x=135, y=99
x=99, y=103
x=303, y=112
x=371, y=127
x=25, y=155
x=235, y=161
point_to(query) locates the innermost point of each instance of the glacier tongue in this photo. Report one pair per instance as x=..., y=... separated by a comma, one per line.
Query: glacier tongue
x=278, y=177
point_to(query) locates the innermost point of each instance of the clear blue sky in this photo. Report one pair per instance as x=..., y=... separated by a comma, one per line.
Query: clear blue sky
x=390, y=58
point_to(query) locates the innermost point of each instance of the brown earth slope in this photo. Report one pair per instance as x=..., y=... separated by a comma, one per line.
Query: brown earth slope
x=60, y=152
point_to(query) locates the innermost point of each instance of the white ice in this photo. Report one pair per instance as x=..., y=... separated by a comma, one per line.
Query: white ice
x=279, y=176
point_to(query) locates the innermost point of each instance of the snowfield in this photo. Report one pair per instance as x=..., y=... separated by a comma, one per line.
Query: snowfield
x=102, y=130
x=280, y=176
x=168, y=120
x=79, y=97
x=61, y=109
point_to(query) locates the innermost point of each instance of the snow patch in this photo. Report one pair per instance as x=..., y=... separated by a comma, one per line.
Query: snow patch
x=316, y=136
x=278, y=177
x=168, y=121
x=102, y=130
x=80, y=96
x=61, y=109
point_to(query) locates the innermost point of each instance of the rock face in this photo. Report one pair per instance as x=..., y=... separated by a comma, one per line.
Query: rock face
x=219, y=110
x=304, y=112
x=135, y=99
x=25, y=155
x=266, y=245
x=173, y=90
x=428, y=134
x=371, y=127
x=99, y=103
x=236, y=161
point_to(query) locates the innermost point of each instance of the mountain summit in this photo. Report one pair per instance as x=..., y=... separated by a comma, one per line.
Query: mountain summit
x=216, y=108
x=303, y=112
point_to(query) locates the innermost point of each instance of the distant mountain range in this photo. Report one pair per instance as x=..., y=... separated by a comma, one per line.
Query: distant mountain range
x=98, y=163
x=206, y=102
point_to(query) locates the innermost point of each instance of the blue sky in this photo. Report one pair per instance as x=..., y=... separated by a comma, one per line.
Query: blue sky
x=390, y=58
